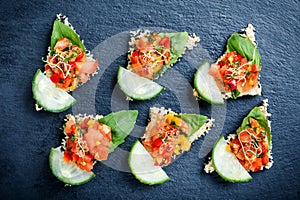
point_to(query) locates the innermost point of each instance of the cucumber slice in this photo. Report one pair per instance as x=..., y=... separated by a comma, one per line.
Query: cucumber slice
x=68, y=173
x=50, y=97
x=136, y=87
x=206, y=86
x=227, y=165
x=142, y=167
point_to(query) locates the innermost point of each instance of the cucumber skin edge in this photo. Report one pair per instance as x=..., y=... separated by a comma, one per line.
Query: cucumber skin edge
x=147, y=183
x=198, y=90
x=37, y=101
x=66, y=182
x=136, y=98
x=223, y=177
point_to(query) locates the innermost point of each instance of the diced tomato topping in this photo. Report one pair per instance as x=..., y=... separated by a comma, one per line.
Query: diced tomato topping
x=135, y=53
x=67, y=82
x=71, y=146
x=265, y=148
x=235, y=58
x=165, y=42
x=240, y=154
x=134, y=60
x=222, y=71
x=255, y=68
x=167, y=56
x=235, y=141
x=73, y=127
x=232, y=84
x=75, y=157
x=243, y=61
x=86, y=163
x=244, y=136
x=55, y=78
x=239, y=57
x=67, y=157
x=52, y=59
x=73, y=65
x=265, y=160
x=235, y=145
x=47, y=67
x=80, y=57
x=256, y=165
x=158, y=142
x=221, y=63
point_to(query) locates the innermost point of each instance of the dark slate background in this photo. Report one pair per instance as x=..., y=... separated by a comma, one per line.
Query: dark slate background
x=27, y=136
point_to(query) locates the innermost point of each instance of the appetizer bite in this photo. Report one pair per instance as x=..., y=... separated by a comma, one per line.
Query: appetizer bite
x=248, y=150
x=67, y=66
x=150, y=55
x=167, y=135
x=88, y=139
x=235, y=74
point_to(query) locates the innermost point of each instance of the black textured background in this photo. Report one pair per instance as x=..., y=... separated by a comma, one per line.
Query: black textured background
x=27, y=136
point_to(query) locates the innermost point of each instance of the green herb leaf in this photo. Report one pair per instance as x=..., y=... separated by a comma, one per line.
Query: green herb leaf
x=244, y=47
x=159, y=50
x=235, y=94
x=178, y=44
x=67, y=59
x=60, y=30
x=81, y=133
x=194, y=121
x=121, y=124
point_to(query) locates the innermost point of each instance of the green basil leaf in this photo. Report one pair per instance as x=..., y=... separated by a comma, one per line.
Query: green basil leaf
x=194, y=121
x=60, y=30
x=121, y=124
x=178, y=45
x=244, y=47
x=235, y=94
